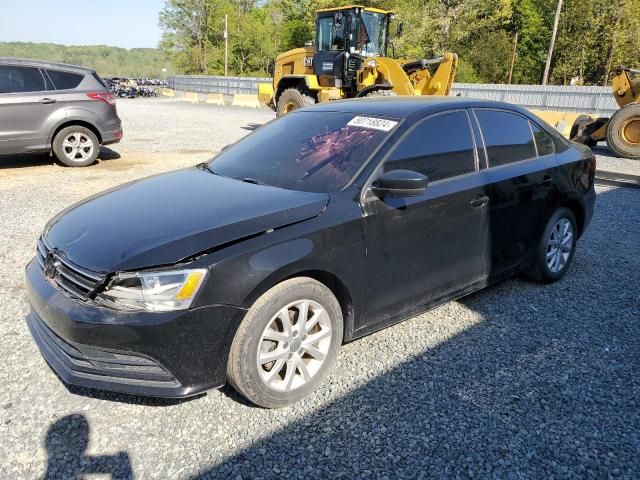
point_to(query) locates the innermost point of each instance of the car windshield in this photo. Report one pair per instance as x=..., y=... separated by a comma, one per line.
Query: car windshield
x=305, y=151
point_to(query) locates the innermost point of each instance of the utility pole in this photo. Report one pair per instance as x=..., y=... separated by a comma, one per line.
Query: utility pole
x=226, y=44
x=547, y=67
x=513, y=57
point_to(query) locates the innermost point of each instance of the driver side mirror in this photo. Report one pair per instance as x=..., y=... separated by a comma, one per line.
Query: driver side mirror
x=400, y=183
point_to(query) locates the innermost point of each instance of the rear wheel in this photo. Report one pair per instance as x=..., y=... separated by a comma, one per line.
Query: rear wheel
x=623, y=132
x=555, y=248
x=76, y=146
x=291, y=99
x=286, y=344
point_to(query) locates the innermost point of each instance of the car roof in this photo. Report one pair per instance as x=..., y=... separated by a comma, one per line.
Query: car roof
x=43, y=64
x=406, y=107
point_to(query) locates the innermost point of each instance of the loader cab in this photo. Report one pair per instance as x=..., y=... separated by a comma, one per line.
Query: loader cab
x=345, y=39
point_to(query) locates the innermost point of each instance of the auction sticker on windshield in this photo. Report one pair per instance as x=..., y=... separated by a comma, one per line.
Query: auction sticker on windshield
x=373, y=123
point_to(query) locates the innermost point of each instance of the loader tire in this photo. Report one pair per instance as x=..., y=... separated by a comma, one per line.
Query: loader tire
x=583, y=127
x=578, y=126
x=623, y=132
x=291, y=99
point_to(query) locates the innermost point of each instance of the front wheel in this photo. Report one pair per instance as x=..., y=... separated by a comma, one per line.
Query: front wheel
x=292, y=99
x=555, y=248
x=286, y=344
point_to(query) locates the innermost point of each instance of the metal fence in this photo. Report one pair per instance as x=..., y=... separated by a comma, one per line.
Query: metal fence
x=595, y=100
x=208, y=84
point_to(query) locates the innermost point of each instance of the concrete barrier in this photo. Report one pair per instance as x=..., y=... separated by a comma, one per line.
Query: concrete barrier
x=191, y=97
x=166, y=92
x=245, y=100
x=215, y=99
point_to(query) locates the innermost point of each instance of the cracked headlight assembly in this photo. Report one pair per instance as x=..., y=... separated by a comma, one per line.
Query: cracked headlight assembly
x=153, y=291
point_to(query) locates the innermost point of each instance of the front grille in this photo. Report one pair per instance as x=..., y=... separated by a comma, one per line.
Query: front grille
x=104, y=365
x=76, y=281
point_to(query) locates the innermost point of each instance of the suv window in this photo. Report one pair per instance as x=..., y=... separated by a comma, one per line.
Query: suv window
x=543, y=141
x=439, y=147
x=507, y=137
x=64, y=80
x=14, y=79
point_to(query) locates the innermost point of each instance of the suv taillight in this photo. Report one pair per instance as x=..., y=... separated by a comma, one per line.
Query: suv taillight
x=107, y=98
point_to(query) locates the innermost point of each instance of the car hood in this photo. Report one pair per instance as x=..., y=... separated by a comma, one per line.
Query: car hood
x=164, y=219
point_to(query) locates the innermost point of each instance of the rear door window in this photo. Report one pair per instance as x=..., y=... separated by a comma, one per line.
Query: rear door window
x=65, y=80
x=440, y=147
x=17, y=79
x=507, y=137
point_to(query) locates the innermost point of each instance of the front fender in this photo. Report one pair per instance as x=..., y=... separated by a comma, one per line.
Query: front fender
x=323, y=247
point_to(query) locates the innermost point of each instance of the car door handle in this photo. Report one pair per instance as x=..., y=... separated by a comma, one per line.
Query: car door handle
x=47, y=101
x=480, y=201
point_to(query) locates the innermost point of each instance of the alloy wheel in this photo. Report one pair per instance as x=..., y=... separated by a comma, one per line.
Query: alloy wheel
x=559, y=245
x=77, y=147
x=294, y=345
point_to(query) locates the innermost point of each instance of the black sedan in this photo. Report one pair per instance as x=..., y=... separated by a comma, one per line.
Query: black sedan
x=318, y=228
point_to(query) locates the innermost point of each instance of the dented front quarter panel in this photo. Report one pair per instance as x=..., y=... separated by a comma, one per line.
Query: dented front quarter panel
x=331, y=243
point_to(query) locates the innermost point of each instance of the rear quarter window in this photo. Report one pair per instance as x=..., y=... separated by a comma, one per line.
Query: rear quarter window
x=65, y=80
x=543, y=141
x=507, y=137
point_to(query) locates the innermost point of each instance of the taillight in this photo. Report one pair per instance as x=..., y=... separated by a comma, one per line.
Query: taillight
x=107, y=98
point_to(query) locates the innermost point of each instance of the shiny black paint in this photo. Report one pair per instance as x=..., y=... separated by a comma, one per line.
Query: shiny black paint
x=166, y=218
x=385, y=259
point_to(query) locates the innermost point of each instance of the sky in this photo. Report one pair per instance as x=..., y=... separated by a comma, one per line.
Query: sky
x=118, y=23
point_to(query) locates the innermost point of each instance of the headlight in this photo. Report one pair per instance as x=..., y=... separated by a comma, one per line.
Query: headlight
x=153, y=291
x=371, y=64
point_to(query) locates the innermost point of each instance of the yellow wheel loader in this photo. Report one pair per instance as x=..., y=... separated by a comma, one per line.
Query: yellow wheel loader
x=622, y=130
x=350, y=60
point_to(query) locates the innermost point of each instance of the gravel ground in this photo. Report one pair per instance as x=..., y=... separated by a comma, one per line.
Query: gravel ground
x=610, y=163
x=517, y=381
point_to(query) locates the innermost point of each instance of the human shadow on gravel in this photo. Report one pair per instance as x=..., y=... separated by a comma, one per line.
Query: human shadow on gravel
x=66, y=443
x=38, y=159
x=545, y=385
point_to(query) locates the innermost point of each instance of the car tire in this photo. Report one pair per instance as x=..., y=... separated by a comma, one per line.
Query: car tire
x=555, y=249
x=273, y=368
x=76, y=146
x=292, y=99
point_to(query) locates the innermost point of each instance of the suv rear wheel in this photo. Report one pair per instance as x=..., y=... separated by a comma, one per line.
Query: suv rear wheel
x=76, y=146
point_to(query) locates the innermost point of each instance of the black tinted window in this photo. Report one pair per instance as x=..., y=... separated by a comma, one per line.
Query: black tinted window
x=20, y=79
x=306, y=151
x=65, y=80
x=440, y=147
x=507, y=137
x=543, y=141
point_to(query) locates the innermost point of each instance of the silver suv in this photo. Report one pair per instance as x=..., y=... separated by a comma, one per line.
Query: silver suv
x=55, y=107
